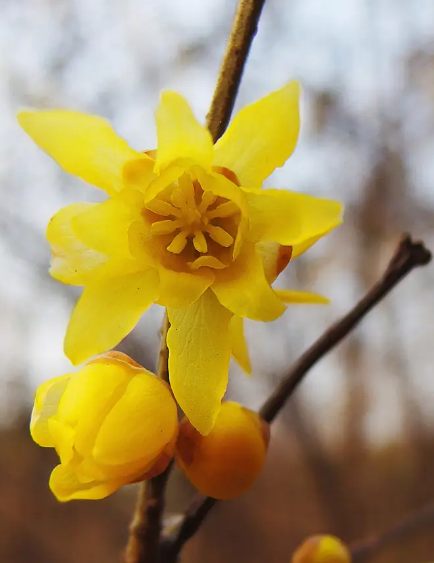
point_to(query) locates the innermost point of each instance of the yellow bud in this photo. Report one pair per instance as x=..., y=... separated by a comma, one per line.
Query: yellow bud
x=322, y=549
x=111, y=423
x=224, y=463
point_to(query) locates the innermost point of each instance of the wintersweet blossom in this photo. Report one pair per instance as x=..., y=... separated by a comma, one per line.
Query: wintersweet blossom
x=186, y=226
x=226, y=462
x=111, y=423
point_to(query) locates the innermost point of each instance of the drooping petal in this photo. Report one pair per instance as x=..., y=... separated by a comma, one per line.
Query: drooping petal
x=239, y=345
x=180, y=289
x=244, y=290
x=83, y=145
x=65, y=485
x=290, y=218
x=104, y=226
x=72, y=261
x=199, y=353
x=291, y=296
x=261, y=137
x=141, y=423
x=180, y=138
x=47, y=400
x=107, y=311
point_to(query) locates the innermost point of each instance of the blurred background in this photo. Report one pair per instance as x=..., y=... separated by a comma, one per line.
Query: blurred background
x=354, y=450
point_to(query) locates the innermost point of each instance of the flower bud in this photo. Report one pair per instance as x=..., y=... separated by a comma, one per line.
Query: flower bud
x=322, y=549
x=111, y=423
x=226, y=462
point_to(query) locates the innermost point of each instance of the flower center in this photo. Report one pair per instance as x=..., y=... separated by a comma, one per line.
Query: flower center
x=192, y=221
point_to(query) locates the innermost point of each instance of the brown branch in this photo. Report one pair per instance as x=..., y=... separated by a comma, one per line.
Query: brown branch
x=407, y=256
x=145, y=531
x=243, y=31
x=366, y=548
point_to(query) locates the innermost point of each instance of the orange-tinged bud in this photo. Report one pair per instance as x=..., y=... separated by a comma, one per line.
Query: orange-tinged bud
x=225, y=463
x=322, y=549
x=111, y=423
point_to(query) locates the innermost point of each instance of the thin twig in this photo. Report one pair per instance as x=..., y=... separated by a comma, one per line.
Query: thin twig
x=366, y=548
x=145, y=530
x=243, y=31
x=407, y=256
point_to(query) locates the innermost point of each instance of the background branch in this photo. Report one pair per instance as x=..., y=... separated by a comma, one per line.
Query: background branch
x=366, y=548
x=145, y=530
x=407, y=256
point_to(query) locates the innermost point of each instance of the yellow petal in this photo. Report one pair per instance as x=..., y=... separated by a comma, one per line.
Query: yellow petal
x=47, y=400
x=104, y=227
x=107, y=311
x=299, y=249
x=83, y=145
x=292, y=296
x=274, y=256
x=72, y=261
x=244, y=290
x=290, y=218
x=261, y=137
x=199, y=353
x=180, y=289
x=164, y=179
x=180, y=138
x=65, y=485
x=138, y=174
x=63, y=437
x=91, y=394
x=139, y=425
x=239, y=345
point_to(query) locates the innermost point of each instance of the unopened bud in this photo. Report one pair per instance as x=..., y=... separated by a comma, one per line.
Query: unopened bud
x=322, y=549
x=226, y=462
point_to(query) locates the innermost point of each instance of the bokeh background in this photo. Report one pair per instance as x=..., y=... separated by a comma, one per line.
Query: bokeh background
x=354, y=449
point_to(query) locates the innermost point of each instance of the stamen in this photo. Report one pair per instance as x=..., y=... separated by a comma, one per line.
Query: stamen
x=208, y=199
x=219, y=235
x=178, y=243
x=224, y=210
x=186, y=185
x=164, y=208
x=165, y=227
x=179, y=200
x=199, y=242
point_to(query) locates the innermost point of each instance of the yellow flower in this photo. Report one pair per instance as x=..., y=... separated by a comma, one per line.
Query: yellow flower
x=225, y=463
x=185, y=226
x=111, y=423
x=322, y=549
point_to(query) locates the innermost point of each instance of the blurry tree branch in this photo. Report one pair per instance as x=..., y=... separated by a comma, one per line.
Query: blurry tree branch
x=144, y=540
x=366, y=548
x=408, y=255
